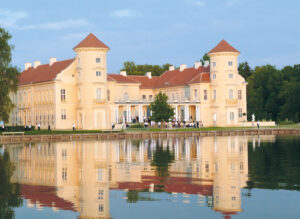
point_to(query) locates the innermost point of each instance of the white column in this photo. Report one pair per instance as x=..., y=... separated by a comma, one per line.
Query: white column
x=197, y=113
x=117, y=114
x=176, y=112
x=128, y=113
x=140, y=113
x=186, y=113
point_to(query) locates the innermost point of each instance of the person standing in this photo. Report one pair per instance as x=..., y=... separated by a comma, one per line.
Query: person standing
x=73, y=127
x=39, y=126
x=258, y=124
x=112, y=126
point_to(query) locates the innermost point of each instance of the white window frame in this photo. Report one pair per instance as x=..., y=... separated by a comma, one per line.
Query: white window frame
x=230, y=63
x=231, y=116
x=98, y=60
x=205, y=94
x=98, y=93
x=230, y=75
x=214, y=76
x=98, y=73
x=63, y=95
x=240, y=112
x=214, y=95
x=230, y=94
x=63, y=114
x=239, y=94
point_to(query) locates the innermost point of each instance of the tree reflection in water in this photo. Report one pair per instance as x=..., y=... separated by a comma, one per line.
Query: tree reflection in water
x=9, y=192
x=162, y=160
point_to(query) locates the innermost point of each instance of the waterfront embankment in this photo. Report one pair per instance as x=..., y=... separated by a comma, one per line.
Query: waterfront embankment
x=145, y=134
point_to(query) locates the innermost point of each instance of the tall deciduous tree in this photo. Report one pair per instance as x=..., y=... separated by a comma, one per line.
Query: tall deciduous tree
x=161, y=110
x=8, y=75
x=244, y=70
x=132, y=69
x=204, y=58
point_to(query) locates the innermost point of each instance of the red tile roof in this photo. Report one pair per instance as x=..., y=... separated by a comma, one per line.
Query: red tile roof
x=167, y=79
x=120, y=79
x=46, y=196
x=170, y=184
x=91, y=41
x=43, y=73
x=182, y=78
x=146, y=83
x=223, y=46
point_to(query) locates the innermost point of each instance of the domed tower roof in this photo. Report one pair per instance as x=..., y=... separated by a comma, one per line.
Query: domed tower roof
x=91, y=41
x=223, y=46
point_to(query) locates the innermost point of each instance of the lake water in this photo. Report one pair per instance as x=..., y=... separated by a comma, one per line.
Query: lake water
x=193, y=177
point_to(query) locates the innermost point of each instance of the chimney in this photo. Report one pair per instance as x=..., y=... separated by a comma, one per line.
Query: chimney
x=36, y=64
x=198, y=64
x=149, y=75
x=27, y=65
x=182, y=67
x=206, y=63
x=171, y=68
x=52, y=60
x=123, y=73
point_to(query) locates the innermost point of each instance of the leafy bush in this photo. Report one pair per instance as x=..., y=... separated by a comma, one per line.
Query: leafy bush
x=137, y=126
x=286, y=122
x=17, y=128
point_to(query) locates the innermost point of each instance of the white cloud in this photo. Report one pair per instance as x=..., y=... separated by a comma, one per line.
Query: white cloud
x=124, y=13
x=200, y=3
x=58, y=25
x=9, y=18
x=73, y=36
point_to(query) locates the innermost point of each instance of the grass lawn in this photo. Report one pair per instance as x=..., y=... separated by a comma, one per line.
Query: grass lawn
x=60, y=132
x=209, y=128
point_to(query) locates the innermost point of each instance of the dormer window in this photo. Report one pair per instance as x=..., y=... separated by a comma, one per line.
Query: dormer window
x=98, y=60
x=230, y=63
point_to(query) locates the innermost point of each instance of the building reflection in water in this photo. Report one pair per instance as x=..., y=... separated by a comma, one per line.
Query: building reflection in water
x=78, y=175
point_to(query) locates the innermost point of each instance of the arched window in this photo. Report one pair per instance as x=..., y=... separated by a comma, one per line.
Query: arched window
x=230, y=94
x=126, y=97
x=98, y=93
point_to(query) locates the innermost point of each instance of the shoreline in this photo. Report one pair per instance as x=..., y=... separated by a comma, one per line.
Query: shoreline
x=145, y=134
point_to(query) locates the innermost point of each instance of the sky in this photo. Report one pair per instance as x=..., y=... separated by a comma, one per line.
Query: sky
x=154, y=31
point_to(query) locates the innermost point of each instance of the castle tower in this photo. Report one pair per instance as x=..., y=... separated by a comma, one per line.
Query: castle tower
x=226, y=85
x=91, y=83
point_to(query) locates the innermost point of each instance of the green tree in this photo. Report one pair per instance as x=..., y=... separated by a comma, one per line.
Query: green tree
x=290, y=93
x=8, y=75
x=244, y=70
x=204, y=58
x=132, y=69
x=161, y=110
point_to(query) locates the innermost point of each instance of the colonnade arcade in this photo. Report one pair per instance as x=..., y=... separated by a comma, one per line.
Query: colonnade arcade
x=138, y=112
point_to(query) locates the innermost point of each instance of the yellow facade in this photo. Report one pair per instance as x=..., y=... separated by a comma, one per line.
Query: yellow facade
x=84, y=94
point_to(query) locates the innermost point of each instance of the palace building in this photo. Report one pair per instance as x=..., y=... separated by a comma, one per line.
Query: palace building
x=80, y=91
